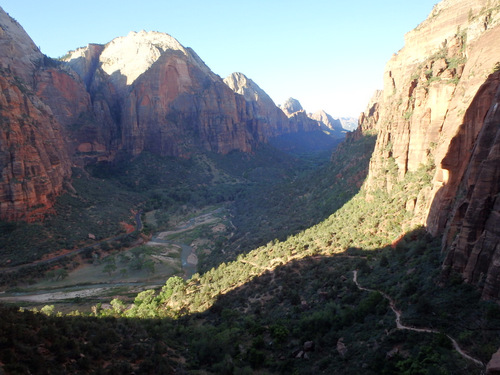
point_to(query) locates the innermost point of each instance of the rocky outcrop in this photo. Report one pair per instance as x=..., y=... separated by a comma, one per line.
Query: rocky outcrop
x=493, y=367
x=291, y=106
x=327, y=122
x=34, y=162
x=272, y=120
x=152, y=94
x=472, y=236
x=158, y=96
x=299, y=120
x=432, y=111
x=33, y=158
x=349, y=123
x=18, y=54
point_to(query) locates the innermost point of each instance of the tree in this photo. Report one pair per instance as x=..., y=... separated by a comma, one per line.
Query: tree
x=61, y=274
x=149, y=265
x=109, y=268
x=47, y=310
x=117, y=305
x=173, y=285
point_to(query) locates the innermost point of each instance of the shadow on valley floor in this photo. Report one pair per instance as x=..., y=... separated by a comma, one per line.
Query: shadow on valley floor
x=275, y=317
x=264, y=213
x=270, y=196
x=304, y=317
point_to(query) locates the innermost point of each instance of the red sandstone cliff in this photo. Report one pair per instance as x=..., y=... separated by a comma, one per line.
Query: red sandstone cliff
x=272, y=121
x=33, y=158
x=329, y=123
x=434, y=106
x=472, y=236
x=141, y=92
x=156, y=95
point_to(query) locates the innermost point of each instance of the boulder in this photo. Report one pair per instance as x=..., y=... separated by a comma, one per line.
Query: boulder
x=341, y=347
x=493, y=366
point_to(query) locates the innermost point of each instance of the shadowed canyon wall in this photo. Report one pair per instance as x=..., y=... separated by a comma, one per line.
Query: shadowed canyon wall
x=438, y=97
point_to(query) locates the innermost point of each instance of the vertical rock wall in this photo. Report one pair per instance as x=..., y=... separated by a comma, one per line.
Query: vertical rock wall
x=432, y=110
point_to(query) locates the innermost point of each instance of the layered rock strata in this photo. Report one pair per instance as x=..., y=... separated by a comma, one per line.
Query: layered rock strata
x=155, y=95
x=34, y=162
x=273, y=121
x=329, y=123
x=431, y=112
x=141, y=92
x=472, y=237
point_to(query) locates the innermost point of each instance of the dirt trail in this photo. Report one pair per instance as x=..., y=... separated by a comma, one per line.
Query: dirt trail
x=400, y=325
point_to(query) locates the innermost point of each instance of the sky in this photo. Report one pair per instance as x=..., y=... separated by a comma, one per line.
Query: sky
x=328, y=54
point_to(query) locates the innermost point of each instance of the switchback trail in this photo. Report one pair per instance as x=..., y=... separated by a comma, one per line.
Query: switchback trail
x=400, y=325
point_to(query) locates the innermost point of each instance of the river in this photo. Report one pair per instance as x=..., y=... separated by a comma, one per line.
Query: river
x=188, y=256
x=189, y=259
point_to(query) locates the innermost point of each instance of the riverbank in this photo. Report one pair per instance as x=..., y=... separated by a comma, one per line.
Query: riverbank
x=126, y=273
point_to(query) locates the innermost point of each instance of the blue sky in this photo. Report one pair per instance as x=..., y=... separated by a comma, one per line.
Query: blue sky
x=328, y=54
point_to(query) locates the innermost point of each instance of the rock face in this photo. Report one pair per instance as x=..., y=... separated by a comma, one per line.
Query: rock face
x=328, y=122
x=18, y=54
x=493, y=367
x=298, y=116
x=472, y=235
x=291, y=106
x=349, y=123
x=141, y=92
x=33, y=159
x=151, y=94
x=272, y=121
x=156, y=95
x=437, y=105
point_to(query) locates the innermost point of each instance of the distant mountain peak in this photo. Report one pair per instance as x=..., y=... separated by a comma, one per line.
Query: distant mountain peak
x=243, y=85
x=131, y=55
x=327, y=120
x=291, y=106
x=349, y=123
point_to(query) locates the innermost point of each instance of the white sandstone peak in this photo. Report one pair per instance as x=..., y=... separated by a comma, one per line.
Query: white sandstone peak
x=17, y=50
x=243, y=85
x=133, y=54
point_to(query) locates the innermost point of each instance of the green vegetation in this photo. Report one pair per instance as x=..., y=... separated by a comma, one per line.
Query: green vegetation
x=288, y=306
x=96, y=208
x=262, y=322
x=104, y=196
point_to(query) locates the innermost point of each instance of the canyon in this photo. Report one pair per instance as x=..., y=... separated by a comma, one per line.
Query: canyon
x=382, y=257
x=143, y=92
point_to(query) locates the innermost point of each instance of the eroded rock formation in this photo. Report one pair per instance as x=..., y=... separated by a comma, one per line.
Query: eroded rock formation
x=273, y=122
x=434, y=110
x=329, y=123
x=34, y=162
x=158, y=96
x=472, y=237
x=141, y=92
